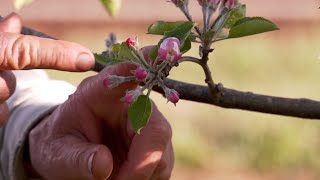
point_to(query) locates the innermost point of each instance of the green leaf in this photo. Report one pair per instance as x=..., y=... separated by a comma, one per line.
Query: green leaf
x=18, y=4
x=139, y=113
x=154, y=52
x=109, y=58
x=181, y=32
x=112, y=6
x=208, y=35
x=186, y=46
x=235, y=15
x=160, y=27
x=124, y=51
x=250, y=26
x=116, y=48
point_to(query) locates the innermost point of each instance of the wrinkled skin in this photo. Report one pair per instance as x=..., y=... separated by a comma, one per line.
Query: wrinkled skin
x=26, y=52
x=90, y=137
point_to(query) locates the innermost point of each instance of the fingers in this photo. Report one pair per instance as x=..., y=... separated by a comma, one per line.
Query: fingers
x=4, y=111
x=11, y=23
x=68, y=157
x=165, y=166
x=29, y=52
x=102, y=163
x=7, y=85
x=147, y=149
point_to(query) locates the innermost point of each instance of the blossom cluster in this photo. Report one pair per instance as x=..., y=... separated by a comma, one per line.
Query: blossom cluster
x=149, y=71
x=209, y=3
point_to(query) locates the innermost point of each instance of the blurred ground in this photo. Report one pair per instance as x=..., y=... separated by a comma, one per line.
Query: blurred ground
x=146, y=10
x=211, y=142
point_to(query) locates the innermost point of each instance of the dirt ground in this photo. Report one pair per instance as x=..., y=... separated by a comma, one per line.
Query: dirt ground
x=191, y=174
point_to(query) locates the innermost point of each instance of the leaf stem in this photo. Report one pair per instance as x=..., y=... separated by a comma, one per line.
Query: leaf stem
x=135, y=55
x=162, y=66
x=217, y=40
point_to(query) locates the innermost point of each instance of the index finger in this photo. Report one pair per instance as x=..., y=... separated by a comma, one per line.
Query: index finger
x=29, y=52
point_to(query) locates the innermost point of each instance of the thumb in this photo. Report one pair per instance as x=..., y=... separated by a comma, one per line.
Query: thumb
x=72, y=158
x=11, y=23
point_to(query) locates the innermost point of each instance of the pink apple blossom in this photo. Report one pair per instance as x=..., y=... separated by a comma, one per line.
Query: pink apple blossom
x=140, y=73
x=131, y=96
x=210, y=3
x=131, y=41
x=172, y=95
x=230, y=4
x=180, y=3
x=111, y=81
x=170, y=49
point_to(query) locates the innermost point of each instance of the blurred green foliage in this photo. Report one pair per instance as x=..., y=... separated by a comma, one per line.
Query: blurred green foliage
x=282, y=63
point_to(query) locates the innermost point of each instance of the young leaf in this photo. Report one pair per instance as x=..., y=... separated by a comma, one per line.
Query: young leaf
x=154, y=52
x=208, y=35
x=181, y=32
x=235, y=15
x=186, y=46
x=109, y=58
x=124, y=51
x=160, y=27
x=116, y=48
x=139, y=113
x=112, y=6
x=18, y=4
x=250, y=26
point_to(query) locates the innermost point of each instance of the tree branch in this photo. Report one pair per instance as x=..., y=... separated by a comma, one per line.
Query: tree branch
x=303, y=108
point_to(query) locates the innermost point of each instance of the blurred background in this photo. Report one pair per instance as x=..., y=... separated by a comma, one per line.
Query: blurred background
x=211, y=142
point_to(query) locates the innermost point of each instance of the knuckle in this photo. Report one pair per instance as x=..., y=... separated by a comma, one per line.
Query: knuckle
x=21, y=54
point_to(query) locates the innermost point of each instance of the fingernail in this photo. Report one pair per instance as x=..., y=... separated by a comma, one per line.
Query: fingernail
x=85, y=61
x=90, y=165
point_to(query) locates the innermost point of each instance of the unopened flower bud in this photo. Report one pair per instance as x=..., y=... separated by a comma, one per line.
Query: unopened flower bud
x=131, y=42
x=180, y=3
x=230, y=4
x=140, y=73
x=131, y=96
x=172, y=95
x=209, y=3
x=112, y=81
x=170, y=49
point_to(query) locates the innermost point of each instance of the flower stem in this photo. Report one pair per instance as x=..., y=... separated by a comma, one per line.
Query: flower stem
x=185, y=11
x=205, y=18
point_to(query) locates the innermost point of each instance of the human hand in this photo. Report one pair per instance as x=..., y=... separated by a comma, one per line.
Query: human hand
x=27, y=52
x=90, y=137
